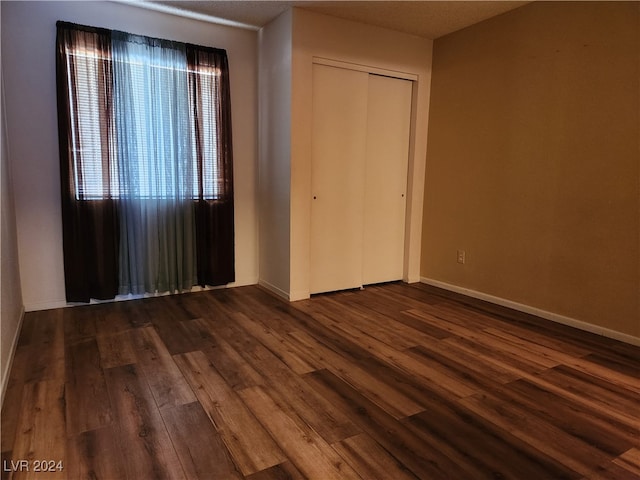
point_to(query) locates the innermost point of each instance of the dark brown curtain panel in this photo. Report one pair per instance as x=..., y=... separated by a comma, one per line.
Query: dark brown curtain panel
x=115, y=168
x=90, y=224
x=208, y=87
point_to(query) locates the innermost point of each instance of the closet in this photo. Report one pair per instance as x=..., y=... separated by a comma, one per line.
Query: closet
x=359, y=157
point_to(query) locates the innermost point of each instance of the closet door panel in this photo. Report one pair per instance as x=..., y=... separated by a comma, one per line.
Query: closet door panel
x=387, y=155
x=337, y=178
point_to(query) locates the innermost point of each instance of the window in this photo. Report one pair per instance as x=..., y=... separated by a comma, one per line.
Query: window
x=145, y=149
x=147, y=77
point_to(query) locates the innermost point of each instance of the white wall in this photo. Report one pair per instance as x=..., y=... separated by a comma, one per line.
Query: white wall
x=316, y=35
x=11, y=307
x=28, y=63
x=275, y=153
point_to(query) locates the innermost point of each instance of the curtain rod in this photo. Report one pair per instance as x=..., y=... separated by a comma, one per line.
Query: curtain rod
x=186, y=14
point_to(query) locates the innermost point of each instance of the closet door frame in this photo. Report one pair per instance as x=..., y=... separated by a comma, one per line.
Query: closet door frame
x=365, y=68
x=397, y=75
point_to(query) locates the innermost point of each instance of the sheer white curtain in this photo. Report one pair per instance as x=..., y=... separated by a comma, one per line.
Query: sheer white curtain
x=146, y=163
x=155, y=165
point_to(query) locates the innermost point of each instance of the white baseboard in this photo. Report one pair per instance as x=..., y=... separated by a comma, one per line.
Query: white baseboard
x=243, y=282
x=288, y=296
x=7, y=368
x=299, y=295
x=272, y=288
x=34, y=307
x=554, y=317
x=412, y=280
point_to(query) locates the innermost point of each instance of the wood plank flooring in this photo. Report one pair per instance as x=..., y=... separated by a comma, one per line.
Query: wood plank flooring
x=392, y=382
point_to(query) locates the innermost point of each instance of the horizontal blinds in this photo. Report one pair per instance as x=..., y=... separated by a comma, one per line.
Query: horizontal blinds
x=94, y=127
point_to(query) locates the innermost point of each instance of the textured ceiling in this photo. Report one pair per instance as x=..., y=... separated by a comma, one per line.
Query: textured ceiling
x=426, y=19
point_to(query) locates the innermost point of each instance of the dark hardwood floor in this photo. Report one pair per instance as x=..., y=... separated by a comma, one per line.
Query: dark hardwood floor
x=393, y=382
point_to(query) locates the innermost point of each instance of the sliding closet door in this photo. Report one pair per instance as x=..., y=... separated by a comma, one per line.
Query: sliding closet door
x=337, y=177
x=387, y=156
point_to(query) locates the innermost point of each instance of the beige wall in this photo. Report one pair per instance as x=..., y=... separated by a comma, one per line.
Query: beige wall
x=28, y=65
x=11, y=298
x=533, y=161
x=316, y=35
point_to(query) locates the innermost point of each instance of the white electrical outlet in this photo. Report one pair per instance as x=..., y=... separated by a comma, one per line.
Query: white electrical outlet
x=461, y=256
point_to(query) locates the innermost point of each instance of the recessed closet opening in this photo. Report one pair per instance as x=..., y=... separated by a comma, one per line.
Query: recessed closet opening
x=361, y=136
